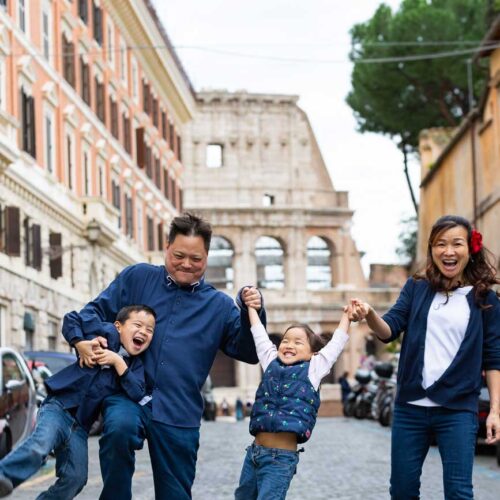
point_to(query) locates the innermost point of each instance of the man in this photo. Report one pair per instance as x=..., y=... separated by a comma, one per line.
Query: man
x=194, y=320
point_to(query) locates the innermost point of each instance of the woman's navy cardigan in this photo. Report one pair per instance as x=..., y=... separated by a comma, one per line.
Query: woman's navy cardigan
x=458, y=388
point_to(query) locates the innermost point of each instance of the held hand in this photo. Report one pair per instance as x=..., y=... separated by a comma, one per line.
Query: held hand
x=106, y=357
x=493, y=428
x=251, y=297
x=85, y=350
x=357, y=310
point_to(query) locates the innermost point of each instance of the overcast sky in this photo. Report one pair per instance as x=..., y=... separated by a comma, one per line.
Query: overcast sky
x=315, y=34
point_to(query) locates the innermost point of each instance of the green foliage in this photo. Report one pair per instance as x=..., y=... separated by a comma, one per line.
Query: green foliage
x=407, y=249
x=399, y=99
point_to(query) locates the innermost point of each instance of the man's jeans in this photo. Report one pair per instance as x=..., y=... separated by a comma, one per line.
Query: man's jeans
x=55, y=430
x=412, y=431
x=266, y=473
x=173, y=451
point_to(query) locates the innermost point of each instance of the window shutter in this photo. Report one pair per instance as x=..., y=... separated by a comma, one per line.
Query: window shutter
x=55, y=243
x=32, y=135
x=140, y=147
x=12, y=231
x=160, y=236
x=37, y=246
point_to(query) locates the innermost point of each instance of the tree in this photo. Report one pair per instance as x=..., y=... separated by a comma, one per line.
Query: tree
x=401, y=97
x=408, y=237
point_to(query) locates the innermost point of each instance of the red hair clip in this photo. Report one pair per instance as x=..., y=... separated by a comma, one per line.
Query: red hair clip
x=476, y=241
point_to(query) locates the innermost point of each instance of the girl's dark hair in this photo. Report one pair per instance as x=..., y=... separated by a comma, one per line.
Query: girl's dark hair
x=480, y=272
x=124, y=313
x=317, y=342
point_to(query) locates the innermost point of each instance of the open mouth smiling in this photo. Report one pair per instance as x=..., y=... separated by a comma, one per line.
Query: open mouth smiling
x=138, y=341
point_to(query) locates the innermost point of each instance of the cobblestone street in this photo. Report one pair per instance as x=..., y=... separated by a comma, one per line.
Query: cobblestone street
x=345, y=460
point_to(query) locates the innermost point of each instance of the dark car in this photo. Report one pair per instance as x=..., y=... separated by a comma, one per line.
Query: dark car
x=53, y=360
x=17, y=400
x=483, y=411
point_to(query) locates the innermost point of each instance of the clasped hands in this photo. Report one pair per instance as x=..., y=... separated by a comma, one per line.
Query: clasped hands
x=93, y=352
x=357, y=310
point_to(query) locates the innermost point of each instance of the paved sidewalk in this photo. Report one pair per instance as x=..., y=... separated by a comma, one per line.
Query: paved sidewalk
x=346, y=459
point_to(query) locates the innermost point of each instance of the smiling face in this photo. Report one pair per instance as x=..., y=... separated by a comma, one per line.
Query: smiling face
x=294, y=346
x=450, y=253
x=186, y=259
x=136, y=332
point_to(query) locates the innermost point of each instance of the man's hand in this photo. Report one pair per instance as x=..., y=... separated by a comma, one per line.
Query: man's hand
x=493, y=427
x=251, y=297
x=87, y=350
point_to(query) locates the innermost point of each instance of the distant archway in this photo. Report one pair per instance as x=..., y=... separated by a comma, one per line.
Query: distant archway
x=319, y=271
x=220, y=263
x=269, y=257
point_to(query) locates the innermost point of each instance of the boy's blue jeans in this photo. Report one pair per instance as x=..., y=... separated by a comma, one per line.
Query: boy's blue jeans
x=55, y=430
x=412, y=430
x=266, y=473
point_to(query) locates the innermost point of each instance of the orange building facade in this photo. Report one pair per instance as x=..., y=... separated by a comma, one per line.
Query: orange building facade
x=93, y=102
x=461, y=168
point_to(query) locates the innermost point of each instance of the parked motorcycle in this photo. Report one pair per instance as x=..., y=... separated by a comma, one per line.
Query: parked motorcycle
x=383, y=396
x=355, y=403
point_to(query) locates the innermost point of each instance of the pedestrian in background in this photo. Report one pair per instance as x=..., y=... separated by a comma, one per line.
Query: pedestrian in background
x=238, y=407
x=194, y=321
x=451, y=319
x=286, y=404
x=345, y=387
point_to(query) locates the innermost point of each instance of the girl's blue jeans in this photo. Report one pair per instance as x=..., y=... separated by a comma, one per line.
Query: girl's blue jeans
x=412, y=431
x=55, y=430
x=266, y=473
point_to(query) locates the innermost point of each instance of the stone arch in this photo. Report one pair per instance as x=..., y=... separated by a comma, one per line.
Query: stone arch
x=220, y=272
x=269, y=257
x=319, y=263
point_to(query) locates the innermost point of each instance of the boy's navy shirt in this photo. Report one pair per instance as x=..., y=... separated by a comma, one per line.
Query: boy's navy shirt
x=459, y=386
x=192, y=323
x=81, y=390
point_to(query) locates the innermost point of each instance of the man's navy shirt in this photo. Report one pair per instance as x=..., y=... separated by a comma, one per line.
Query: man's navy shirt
x=192, y=323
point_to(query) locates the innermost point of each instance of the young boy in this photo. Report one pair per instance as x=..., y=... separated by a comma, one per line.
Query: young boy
x=286, y=403
x=74, y=398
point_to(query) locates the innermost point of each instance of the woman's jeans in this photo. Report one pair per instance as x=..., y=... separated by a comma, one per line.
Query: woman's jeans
x=412, y=431
x=55, y=430
x=266, y=473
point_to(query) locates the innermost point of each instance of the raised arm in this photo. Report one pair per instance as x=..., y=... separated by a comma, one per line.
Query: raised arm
x=266, y=350
x=322, y=362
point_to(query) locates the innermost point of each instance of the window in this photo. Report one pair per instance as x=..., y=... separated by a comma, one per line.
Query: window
x=100, y=110
x=102, y=180
x=49, y=137
x=157, y=173
x=178, y=147
x=164, y=124
x=165, y=183
x=269, y=257
x=129, y=216
x=28, y=123
x=22, y=14
x=123, y=62
x=127, y=139
x=214, y=155
x=53, y=333
x=97, y=23
x=70, y=164
x=220, y=263
x=116, y=200
x=110, y=43
x=149, y=162
x=55, y=255
x=10, y=231
x=87, y=180
x=113, y=107
x=146, y=98
x=159, y=228
x=151, y=234
x=83, y=10
x=32, y=244
x=85, y=81
x=267, y=200
x=46, y=30
x=140, y=147
x=154, y=111
x=11, y=369
x=319, y=273
x=68, y=55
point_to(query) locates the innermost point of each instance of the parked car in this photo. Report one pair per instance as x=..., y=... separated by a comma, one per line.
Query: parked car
x=53, y=360
x=17, y=400
x=483, y=411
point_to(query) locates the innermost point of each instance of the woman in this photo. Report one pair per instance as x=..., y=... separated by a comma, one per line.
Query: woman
x=451, y=320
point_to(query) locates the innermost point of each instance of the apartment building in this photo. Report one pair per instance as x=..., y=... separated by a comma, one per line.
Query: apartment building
x=93, y=103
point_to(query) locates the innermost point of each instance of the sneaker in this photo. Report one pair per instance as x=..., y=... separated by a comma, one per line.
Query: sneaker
x=6, y=486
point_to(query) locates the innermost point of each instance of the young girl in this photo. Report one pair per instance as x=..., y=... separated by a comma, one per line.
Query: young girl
x=286, y=404
x=451, y=319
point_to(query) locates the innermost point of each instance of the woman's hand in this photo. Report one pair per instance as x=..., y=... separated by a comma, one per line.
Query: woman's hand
x=251, y=297
x=358, y=310
x=493, y=427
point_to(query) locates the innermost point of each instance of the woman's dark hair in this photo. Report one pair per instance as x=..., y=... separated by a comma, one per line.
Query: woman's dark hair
x=189, y=224
x=480, y=272
x=124, y=313
x=317, y=342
